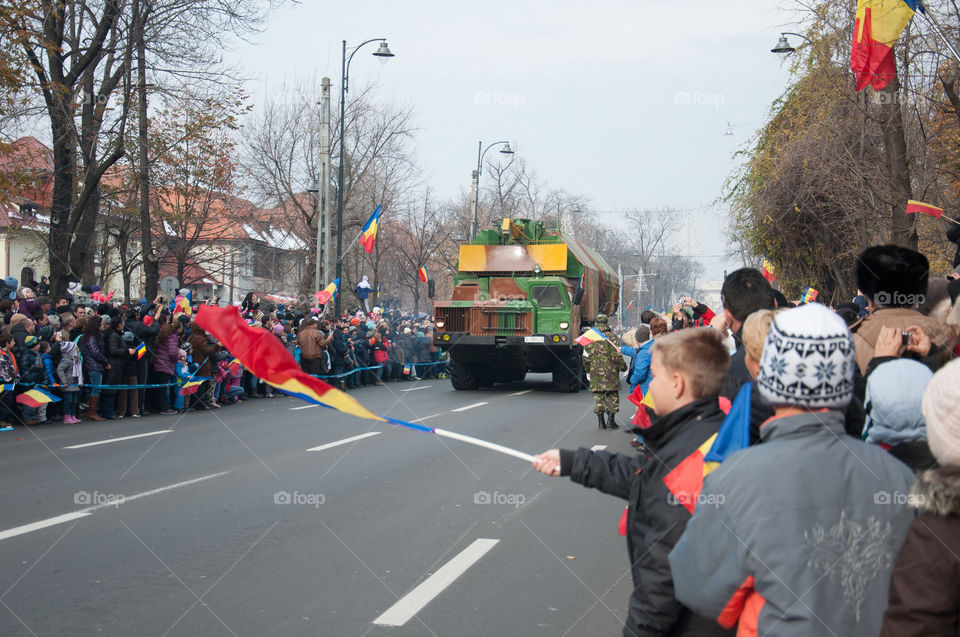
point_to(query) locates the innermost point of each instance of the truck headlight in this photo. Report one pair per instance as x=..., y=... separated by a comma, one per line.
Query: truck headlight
x=564, y=325
x=440, y=324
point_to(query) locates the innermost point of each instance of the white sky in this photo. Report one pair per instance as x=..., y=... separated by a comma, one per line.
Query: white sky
x=623, y=101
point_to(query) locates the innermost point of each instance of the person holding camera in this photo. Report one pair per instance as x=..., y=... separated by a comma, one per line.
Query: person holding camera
x=894, y=281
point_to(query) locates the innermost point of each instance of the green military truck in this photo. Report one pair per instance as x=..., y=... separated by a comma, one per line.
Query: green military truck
x=521, y=296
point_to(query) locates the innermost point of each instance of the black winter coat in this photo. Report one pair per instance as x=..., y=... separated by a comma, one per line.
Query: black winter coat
x=339, y=347
x=118, y=356
x=656, y=517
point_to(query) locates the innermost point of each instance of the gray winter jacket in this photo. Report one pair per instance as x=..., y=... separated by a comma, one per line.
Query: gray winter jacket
x=804, y=534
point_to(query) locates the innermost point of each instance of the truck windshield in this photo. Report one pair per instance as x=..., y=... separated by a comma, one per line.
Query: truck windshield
x=547, y=296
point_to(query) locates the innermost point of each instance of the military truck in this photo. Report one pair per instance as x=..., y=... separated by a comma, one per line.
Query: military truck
x=521, y=296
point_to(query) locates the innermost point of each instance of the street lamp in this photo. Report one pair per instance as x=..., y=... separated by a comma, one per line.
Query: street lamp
x=784, y=48
x=384, y=53
x=506, y=150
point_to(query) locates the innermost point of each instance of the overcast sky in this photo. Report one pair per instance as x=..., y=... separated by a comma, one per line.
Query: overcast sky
x=624, y=102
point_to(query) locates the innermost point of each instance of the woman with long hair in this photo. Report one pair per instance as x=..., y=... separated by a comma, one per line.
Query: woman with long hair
x=95, y=362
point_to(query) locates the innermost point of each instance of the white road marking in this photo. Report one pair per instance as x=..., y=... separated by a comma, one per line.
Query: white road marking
x=107, y=442
x=598, y=447
x=414, y=601
x=520, y=393
x=418, y=388
x=331, y=445
x=115, y=501
x=426, y=418
x=303, y=407
x=469, y=407
x=42, y=524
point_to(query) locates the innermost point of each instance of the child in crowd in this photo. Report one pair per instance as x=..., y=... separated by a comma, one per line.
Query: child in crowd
x=659, y=485
x=70, y=374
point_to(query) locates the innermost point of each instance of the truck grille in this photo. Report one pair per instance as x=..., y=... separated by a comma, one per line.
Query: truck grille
x=486, y=320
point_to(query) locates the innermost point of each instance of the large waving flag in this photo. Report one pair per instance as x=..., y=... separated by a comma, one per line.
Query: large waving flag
x=878, y=25
x=267, y=359
x=327, y=293
x=590, y=336
x=368, y=235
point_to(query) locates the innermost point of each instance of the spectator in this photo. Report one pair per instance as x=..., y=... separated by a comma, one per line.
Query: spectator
x=924, y=598
x=381, y=356
x=128, y=397
x=165, y=352
x=9, y=374
x=95, y=362
x=688, y=368
x=117, y=355
x=204, y=349
x=894, y=281
x=31, y=373
x=70, y=373
x=744, y=291
x=802, y=538
x=313, y=343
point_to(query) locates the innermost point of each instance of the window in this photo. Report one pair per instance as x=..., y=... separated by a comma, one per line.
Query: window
x=547, y=296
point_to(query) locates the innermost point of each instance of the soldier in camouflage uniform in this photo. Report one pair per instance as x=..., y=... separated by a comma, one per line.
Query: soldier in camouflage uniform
x=603, y=362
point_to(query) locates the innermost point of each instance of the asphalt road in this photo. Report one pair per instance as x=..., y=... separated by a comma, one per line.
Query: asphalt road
x=228, y=523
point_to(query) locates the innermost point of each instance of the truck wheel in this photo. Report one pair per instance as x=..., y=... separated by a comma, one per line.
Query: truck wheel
x=462, y=377
x=567, y=378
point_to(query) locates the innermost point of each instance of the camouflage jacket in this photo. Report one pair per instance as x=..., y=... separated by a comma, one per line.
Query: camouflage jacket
x=603, y=361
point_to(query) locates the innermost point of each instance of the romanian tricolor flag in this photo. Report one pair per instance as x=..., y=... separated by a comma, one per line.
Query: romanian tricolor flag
x=878, y=25
x=7, y=387
x=141, y=350
x=191, y=386
x=629, y=305
x=590, y=336
x=923, y=208
x=686, y=480
x=183, y=304
x=328, y=292
x=809, y=295
x=368, y=235
x=379, y=287
x=768, y=272
x=267, y=359
x=423, y=273
x=36, y=398
x=734, y=433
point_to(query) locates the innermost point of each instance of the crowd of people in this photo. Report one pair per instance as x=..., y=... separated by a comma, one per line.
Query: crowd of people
x=798, y=466
x=105, y=360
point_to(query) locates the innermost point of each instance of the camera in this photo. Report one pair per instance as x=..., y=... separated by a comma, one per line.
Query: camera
x=905, y=337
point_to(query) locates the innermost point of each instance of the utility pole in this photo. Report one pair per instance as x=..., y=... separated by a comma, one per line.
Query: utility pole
x=151, y=265
x=323, y=220
x=620, y=299
x=474, y=184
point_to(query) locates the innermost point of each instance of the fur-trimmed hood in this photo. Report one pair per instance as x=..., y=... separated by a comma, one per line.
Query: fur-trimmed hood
x=938, y=491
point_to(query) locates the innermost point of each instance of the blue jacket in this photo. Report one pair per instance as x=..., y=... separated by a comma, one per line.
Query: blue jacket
x=639, y=365
x=50, y=368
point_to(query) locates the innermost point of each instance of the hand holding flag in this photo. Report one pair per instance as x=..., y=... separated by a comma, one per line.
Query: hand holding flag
x=328, y=292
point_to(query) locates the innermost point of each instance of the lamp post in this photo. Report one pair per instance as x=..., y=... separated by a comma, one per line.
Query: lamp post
x=506, y=150
x=784, y=48
x=382, y=52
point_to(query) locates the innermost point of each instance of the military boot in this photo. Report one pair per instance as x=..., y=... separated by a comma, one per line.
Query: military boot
x=611, y=423
x=600, y=420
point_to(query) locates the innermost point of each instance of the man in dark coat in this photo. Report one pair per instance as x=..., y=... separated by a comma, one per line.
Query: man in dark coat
x=744, y=291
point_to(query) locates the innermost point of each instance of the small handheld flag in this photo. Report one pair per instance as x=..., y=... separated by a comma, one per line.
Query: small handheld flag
x=649, y=307
x=7, y=387
x=328, y=292
x=809, y=295
x=923, y=208
x=768, y=272
x=368, y=235
x=36, y=398
x=734, y=433
x=423, y=274
x=590, y=336
x=141, y=350
x=629, y=305
x=191, y=386
x=379, y=287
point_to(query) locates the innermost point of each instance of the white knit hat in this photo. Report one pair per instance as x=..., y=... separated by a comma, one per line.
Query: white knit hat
x=807, y=360
x=941, y=410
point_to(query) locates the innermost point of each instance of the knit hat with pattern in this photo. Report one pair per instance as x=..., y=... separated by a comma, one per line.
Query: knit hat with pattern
x=807, y=360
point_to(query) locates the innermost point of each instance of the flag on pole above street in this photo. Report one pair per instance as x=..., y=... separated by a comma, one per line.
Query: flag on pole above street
x=423, y=274
x=328, y=292
x=368, y=235
x=923, y=208
x=878, y=26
